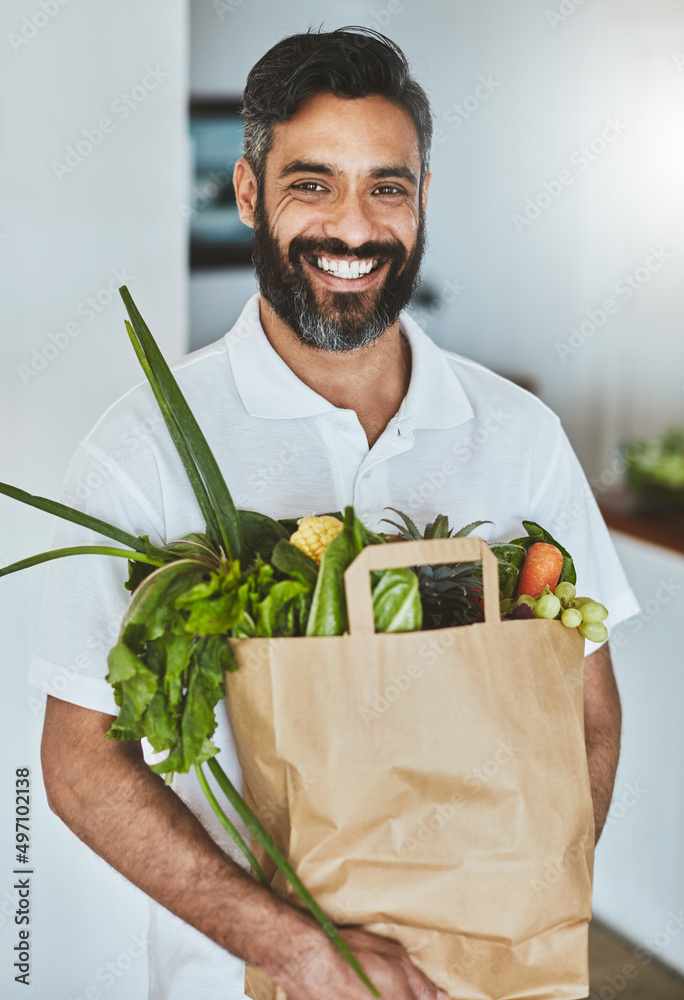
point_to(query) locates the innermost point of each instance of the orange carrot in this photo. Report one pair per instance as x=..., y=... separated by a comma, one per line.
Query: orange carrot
x=542, y=567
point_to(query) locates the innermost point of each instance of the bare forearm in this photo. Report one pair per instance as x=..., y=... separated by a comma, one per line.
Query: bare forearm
x=602, y=759
x=108, y=796
x=602, y=725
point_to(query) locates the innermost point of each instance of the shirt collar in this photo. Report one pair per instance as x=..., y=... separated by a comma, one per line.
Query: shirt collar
x=435, y=396
x=269, y=388
x=266, y=385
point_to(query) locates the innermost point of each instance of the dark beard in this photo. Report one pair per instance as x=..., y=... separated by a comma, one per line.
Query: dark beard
x=349, y=319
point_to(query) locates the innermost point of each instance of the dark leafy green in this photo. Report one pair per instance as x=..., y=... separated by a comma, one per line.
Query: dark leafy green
x=291, y=560
x=510, y=557
x=167, y=669
x=262, y=533
x=396, y=601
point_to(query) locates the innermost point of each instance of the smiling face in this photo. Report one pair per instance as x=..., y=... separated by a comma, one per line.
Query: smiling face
x=339, y=231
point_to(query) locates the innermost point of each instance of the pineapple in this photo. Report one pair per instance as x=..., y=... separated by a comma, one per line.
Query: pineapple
x=451, y=593
x=313, y=534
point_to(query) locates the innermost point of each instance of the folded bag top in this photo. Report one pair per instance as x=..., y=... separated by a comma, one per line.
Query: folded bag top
x=430, y=786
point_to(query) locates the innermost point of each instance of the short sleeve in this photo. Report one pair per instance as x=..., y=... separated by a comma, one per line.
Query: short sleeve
x=565, y=506
x=85, y=599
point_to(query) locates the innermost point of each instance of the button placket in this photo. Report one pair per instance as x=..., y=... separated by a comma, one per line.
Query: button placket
x=371, y=493
x=345, y=453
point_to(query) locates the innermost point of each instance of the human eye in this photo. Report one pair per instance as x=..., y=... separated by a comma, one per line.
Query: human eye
x=389, y=190
x=308, y=187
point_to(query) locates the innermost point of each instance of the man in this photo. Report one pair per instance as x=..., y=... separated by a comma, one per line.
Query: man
x=322, y=395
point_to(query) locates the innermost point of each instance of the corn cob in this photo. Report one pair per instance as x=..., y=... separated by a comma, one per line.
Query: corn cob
x=313, y=534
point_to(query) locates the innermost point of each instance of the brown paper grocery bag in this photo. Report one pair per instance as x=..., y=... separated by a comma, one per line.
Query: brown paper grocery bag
x=430, y=786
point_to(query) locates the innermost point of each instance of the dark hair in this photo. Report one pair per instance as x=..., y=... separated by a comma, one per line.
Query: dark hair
x=350, y=62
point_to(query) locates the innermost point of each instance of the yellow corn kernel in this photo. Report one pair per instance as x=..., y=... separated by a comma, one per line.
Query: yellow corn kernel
x=313, y=534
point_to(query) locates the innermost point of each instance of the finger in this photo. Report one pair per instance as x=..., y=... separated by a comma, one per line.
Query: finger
x=355, y=937
x=422, y=987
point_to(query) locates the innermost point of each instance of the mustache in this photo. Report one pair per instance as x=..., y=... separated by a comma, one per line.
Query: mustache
x=306, y=246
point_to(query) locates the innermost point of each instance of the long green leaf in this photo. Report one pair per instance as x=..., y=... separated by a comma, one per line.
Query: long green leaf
x=226, y=514
x=77, y=516
x=179, y=441
x=78, y=550
x=261, y=835
x=225, y=822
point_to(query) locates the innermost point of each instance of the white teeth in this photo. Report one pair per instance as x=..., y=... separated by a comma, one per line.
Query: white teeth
x=345, y=268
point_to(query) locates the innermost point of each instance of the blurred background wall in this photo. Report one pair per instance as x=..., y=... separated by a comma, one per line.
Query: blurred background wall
x=93, y=165
x=555, y=255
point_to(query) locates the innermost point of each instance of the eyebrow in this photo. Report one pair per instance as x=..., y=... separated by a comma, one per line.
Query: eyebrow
x=305, y=167
x=379, y=173
x=399, y=171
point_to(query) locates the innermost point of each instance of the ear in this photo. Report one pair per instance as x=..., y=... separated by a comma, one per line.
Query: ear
x=426, y=185
x=245, y=184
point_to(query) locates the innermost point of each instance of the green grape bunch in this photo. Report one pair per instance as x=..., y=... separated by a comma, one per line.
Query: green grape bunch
x=582, y=613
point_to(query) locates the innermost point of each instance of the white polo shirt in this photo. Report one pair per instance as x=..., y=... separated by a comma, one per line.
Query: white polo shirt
x=465, y=442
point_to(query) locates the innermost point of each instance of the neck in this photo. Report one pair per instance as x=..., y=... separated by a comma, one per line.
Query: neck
x=370, y=380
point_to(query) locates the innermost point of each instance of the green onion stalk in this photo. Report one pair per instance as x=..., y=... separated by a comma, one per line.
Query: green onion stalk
x=240, y=577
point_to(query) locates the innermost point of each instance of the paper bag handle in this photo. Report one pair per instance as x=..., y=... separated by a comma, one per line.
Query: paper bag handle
x=417, y=553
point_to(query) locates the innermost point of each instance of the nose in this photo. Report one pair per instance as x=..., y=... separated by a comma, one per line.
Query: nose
x=351, y=219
